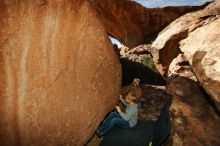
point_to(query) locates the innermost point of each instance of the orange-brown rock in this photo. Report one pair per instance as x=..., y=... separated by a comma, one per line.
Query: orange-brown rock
x=166, y=46
x=199, y=34
x=194, y=122
x=57, y=79
x=133, y=24
x=153, y=100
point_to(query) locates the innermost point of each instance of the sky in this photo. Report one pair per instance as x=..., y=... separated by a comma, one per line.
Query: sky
x=115, y=41
x=164, y=3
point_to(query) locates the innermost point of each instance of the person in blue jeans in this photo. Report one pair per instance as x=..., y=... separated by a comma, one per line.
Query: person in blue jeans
x=127, y=119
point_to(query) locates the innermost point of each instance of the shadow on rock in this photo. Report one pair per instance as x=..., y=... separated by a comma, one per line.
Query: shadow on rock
x=194, y=121
x=131, y=70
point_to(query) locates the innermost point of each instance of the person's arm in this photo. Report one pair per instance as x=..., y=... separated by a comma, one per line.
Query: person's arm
x=127, y=115
x=123, y=101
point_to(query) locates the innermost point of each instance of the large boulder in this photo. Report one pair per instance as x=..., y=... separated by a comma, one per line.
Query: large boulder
x=166, y=47
x=194, y=121
x=133, y=24
x=199, y=34
x=202, y=49
x=59, y=73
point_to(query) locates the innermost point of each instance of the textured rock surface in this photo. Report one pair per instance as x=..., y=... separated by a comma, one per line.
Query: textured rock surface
x=193, y=120
x=180, y=66
x=136, y=54
x=58, y=79
x=199, y=34
x=202, y=49
x=133, y=24
x=166, y=46
x=153, y=100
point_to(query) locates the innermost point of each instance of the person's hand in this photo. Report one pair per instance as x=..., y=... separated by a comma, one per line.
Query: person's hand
x=120, y=97
x=118, y=109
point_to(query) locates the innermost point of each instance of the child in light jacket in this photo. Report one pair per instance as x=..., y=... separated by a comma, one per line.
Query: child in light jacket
x=127, y=119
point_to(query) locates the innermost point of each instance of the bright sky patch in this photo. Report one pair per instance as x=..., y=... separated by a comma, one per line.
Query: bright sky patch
x=164, y=3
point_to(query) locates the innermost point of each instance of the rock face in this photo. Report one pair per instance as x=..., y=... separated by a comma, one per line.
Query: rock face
x=58, y=79
x=199, y=34
x=181, y=66
x=193, y=120
x=136, y=54
x=166, y=47
x=202, y=49
x=153, y=100
x=133, y=24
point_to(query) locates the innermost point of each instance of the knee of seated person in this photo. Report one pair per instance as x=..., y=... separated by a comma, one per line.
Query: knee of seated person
x=113, y=113
x=114, y=121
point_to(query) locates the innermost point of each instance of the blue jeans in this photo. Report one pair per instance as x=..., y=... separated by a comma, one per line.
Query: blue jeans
x=114, y=119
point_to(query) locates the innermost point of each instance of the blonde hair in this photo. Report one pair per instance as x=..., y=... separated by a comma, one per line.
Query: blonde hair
x=132, y=96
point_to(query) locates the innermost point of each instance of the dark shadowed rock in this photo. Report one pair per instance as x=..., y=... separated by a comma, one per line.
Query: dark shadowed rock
x=194, y=121
x=138, y=63
x=132, y=69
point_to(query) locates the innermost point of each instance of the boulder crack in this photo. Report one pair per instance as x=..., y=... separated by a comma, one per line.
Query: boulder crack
x=98, y=69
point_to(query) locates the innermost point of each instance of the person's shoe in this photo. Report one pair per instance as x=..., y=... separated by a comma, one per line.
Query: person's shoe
x=98, y=133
